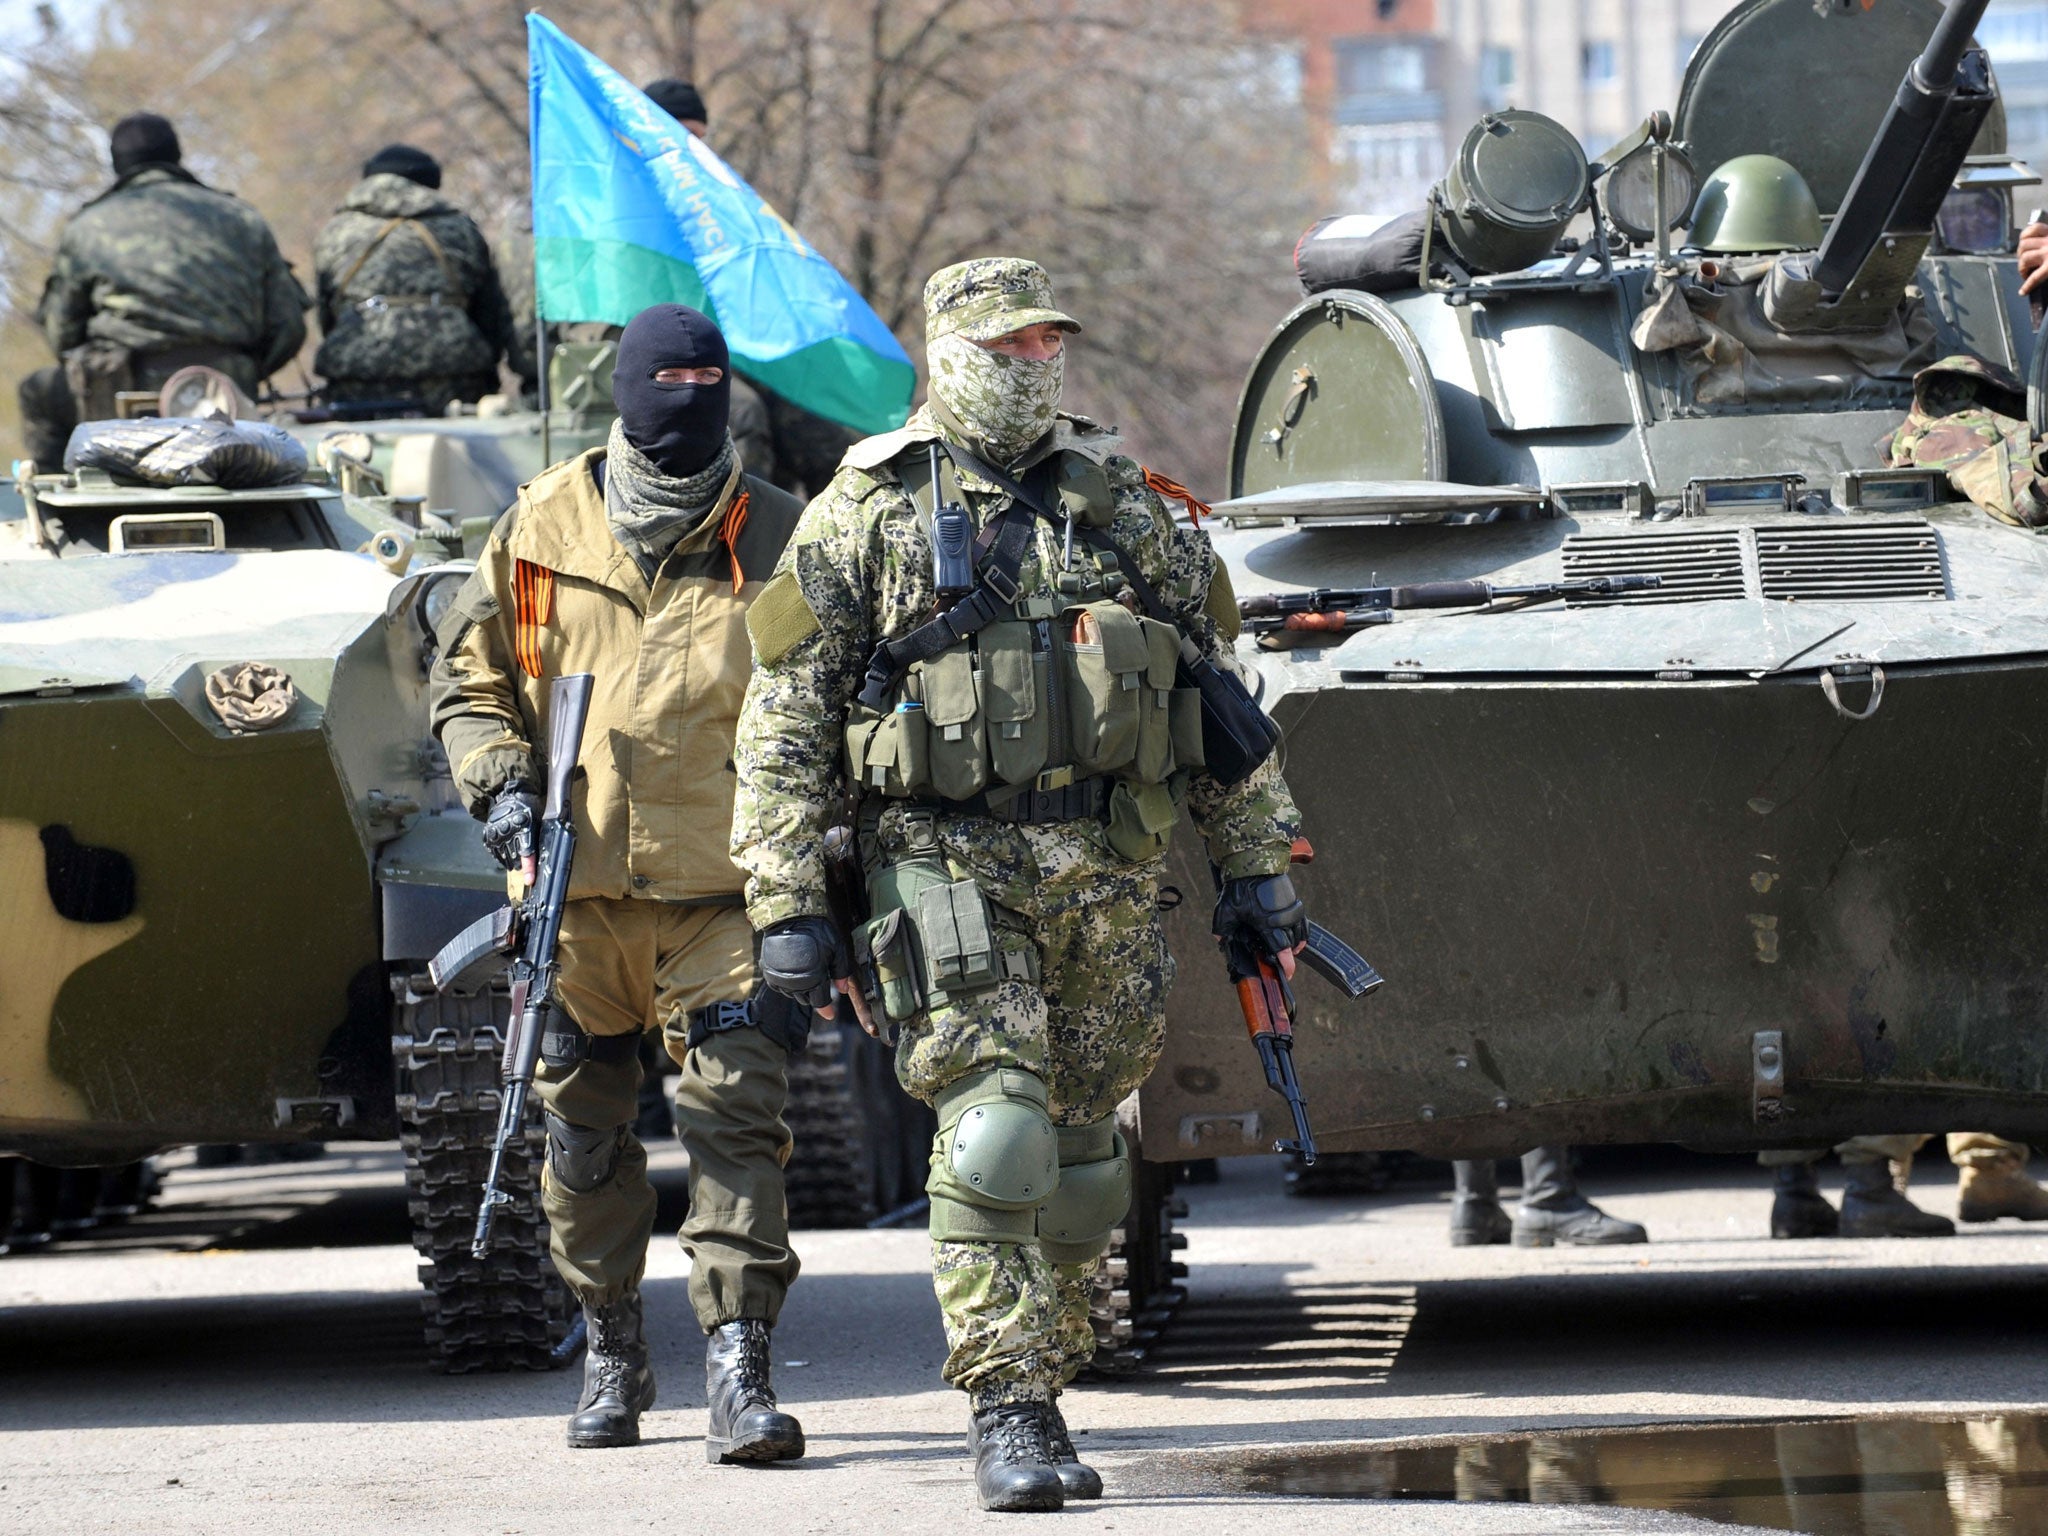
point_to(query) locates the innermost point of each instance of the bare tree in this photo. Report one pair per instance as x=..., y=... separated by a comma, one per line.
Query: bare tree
x=1132, y=146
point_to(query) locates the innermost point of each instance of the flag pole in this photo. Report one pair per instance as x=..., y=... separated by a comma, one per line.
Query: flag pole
x=540, y=362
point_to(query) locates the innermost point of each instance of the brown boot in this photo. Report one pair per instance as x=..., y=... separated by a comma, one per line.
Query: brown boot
x=1999, y=1187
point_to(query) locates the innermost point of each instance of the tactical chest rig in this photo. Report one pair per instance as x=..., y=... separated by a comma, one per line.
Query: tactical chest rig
x=1053, y=706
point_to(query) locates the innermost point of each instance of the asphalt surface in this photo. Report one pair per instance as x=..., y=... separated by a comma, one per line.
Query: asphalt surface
x=245, y=1359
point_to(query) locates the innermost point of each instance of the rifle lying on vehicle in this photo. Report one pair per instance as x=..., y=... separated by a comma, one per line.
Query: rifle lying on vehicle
x=532, y=927
x=1334, y=610
x=1268, y=1003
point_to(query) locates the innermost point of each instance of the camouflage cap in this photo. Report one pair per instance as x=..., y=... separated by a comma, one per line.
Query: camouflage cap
x=990, y=297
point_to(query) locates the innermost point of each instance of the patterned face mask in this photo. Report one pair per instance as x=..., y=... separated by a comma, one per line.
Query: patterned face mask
x=1007, y=402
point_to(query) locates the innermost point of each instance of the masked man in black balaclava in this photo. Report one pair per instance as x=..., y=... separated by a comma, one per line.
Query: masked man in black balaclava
x=636, y=562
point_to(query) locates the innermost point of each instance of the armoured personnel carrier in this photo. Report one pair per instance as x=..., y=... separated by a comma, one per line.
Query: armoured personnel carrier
x=1753, y=856
x=228, y=846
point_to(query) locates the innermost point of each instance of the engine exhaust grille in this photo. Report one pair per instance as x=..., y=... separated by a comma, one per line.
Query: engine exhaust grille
x=1857, y=563
x=1800, y=562
x=1694, y=565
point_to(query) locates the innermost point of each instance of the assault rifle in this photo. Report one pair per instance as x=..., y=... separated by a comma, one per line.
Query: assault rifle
x=1333, y=610
x=532, y=927
x=1268, y=1003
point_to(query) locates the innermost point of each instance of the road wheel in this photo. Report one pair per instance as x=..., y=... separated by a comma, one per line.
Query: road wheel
x=506, y=1312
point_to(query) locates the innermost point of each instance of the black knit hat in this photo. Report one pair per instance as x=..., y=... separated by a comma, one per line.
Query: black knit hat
x=403, y=160
x=679, y=99
x=143, y=138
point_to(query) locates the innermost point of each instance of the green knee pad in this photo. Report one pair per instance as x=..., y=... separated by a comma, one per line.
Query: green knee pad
x=1093, y=1195
x=995, y=1159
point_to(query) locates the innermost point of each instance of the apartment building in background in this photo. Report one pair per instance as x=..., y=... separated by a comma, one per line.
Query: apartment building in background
x=1393, y=85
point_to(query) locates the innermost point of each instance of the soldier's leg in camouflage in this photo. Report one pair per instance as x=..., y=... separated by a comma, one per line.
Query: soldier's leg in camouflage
x=1872, y=1205
x=1994, y=1179
x=1799, y=1209
x=1477, y=1221
x=594, y=1188
x=995, y=1159
x=733, y=1045
x=1553, y=1211
x=1106, y=974
x=978, y=1056
x=48, y=416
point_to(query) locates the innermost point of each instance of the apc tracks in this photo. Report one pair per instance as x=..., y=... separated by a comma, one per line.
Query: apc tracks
x=861, y=1141
x=1138, y=1289
x=508, y=1311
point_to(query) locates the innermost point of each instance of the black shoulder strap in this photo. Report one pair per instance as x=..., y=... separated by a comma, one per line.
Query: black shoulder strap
x=999, y=552
x=1148, y=598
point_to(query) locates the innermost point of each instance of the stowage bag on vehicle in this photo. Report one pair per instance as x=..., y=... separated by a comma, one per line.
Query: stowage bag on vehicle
x=171, y=450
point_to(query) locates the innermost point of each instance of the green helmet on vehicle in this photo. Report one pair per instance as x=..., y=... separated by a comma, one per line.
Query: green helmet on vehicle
x=1755, y=203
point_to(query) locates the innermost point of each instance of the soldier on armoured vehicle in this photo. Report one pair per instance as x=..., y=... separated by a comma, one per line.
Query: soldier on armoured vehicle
x=156, y=273
x=411, y=312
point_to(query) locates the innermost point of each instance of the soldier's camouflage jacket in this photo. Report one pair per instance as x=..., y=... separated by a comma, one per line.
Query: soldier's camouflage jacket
x=1969, y=418
x=407, y=289
x=160, y=261
x=861, y=560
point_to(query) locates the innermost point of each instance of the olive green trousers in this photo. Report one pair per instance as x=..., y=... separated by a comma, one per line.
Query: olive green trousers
x=643, y=964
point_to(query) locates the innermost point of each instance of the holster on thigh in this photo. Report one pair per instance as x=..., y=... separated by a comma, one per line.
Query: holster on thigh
x=995, y=1159
x=1094, y=1193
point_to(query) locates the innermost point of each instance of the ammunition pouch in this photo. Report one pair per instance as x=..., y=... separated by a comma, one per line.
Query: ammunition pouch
x=934, y=939
x=1094, y=1193
x=994, y=1161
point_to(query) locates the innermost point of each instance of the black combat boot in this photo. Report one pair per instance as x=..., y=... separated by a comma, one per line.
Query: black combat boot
x=1799, y=1209
x=1078, y=1480
x=1477, y=1221
x=745, y=1423
x=618, y=1383
x=1873, y=1207
x=1013, y=1466
x=1553, y=1211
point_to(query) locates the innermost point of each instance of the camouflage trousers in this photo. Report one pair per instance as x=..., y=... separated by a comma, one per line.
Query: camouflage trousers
x=1091, y=1027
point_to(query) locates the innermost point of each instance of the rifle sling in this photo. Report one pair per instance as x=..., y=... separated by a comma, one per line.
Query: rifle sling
x=1148, y=598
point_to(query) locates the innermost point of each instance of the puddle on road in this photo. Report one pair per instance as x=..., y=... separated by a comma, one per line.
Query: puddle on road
x=1872, y=1477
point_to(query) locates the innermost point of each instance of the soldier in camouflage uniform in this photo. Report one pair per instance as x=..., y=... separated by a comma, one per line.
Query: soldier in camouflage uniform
x=157, y=272
x=1020, y=786
x=411, y=312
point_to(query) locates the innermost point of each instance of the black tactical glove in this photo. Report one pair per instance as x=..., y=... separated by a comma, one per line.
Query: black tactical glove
x=801, y=957
x=1264, y=910
x=508, y=828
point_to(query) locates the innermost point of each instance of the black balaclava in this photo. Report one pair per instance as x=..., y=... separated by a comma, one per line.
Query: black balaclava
x=680, y=427
x=678, y=98
x=143, y=138
x=414, y=165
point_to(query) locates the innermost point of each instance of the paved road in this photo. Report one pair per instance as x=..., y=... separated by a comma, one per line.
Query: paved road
x=244, y=1360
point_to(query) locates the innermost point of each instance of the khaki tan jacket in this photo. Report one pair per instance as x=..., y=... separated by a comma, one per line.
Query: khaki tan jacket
x=554, y=592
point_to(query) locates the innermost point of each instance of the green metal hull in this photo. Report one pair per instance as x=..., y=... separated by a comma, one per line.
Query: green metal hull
x=1590, y=897
x=198, y=928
